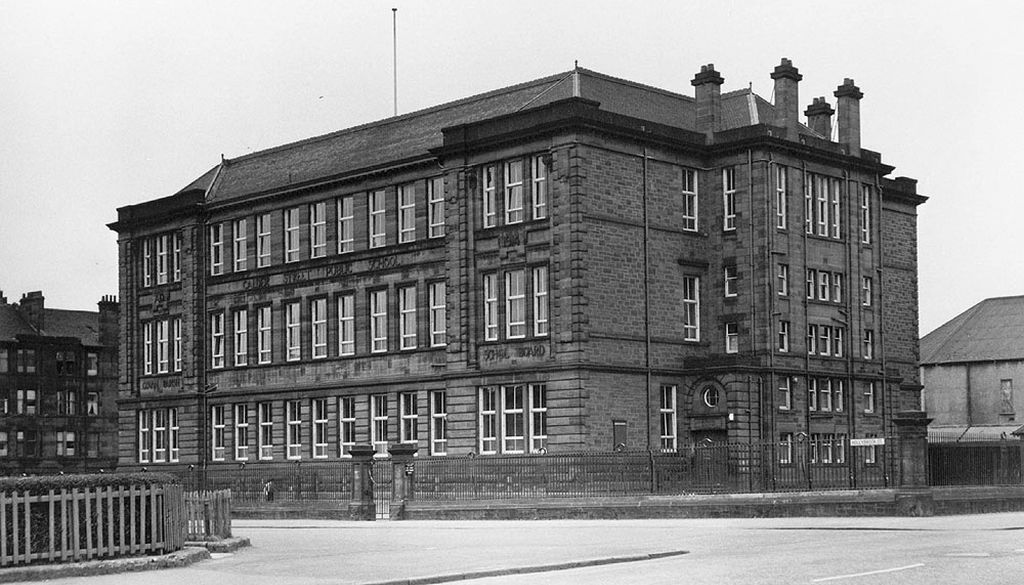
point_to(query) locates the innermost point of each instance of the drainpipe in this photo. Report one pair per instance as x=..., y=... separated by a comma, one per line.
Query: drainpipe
x=647, y=304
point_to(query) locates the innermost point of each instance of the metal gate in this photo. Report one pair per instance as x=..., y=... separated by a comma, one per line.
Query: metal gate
x=381, y=475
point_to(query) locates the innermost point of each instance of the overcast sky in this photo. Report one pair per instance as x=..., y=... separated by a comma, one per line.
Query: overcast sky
x=105, y=104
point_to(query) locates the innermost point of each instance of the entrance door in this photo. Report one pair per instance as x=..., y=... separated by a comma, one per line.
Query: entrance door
x=381, y=474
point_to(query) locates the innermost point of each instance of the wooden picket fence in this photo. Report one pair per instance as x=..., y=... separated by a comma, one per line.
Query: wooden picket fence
x=88, y=523
x=208, y=515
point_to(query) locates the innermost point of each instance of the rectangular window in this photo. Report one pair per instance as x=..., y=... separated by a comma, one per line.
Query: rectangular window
x=346, y=325
x=216, y=249
x=146, y=348
x=5, y=364
x=239, y=246
x=438, y=314
x=812, y=282
x=839, y=395
x=266, y=437
x=513, y=192
x=515, y=304
x=27, y=361
x=26, y=401
x=825, y=339
x=784, y=336
x=346, y=224
x=732, y=338
x=870, y=398
x=438, y=422
x=242, y=438
x=293, y=420
x=812, y=394
x=782, y=280
x=145, y=437
x=729, y=198
x=730, y=281
x=691, y=308
x=291, y=234
x=824, y=286
x=379, y=423
x=435, y=207
x=176, y=257
x=490, y=200
x=263, y=244
x=176, y=332
x=825, y=393
x=217, y=340
x=379, y=321
x=808, y=203
x=147, y=262
x=667, y=411
x=264, y=322
x=319, y=428
x=538, y=418
x=540, y=301
x=812, y=339
x=689, y=192
x=92, y=404
x=217, y=432
x=378, y=229
x=839, y=448
x=172, y=435
x=292, y=331
x=318, y=230
x=781, y=199
x=785, y=393
x=835, y=216
x=4, y=450
x=837, y=287
x=867, y=291
x=838, y=341
x=407, y=317
x=513, y=419
x=406, y=213
x=865, y=214
x=161, y=259
x=318, y=332
x=869, y=344
x=539, y=172
x=491, y=307
x=241, y=319
x=821, y=185
x=785, y=448
x=488, y=420
x=410, y=417
x=870, y=452
x=347, y=424
x=162, y=346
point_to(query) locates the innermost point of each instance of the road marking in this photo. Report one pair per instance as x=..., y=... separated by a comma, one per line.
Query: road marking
x=969, y=554
x=893, y=570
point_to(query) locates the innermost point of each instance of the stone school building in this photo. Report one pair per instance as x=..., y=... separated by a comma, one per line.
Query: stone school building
x=574, y=263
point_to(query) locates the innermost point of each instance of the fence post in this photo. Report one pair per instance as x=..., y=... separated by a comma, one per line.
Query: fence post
x=914, y=497
x=361, y=506
x=403, y=476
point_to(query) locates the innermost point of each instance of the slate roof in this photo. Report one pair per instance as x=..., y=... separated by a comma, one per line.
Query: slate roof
x=991, y=330
x=57, y=323
x=410, y=136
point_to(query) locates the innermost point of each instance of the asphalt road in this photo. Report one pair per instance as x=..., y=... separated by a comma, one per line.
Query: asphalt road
x=986, y=549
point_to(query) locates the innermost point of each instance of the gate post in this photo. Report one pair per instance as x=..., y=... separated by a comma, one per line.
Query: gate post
x=361, y=505
x=402, y=477
x=914, y=497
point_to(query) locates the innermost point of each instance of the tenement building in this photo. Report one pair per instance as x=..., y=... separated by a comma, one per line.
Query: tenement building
x=578, y=262
x=58, y=387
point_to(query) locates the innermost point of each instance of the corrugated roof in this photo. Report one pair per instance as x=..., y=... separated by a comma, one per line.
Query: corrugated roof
x=973, y=433
x=991, y=330
x=57, y=323
x=411, y=135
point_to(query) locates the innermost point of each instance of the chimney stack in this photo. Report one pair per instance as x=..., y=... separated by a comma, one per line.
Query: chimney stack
x=108, y=323
x=3, y=299
x=32, y=307
x=848, y=103
x=819, y=117
x=709, y=99
x=787, y=98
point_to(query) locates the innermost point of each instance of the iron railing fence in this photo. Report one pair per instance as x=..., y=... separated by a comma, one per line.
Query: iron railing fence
x=976, y=463
x=250, y=484
x=698, y=469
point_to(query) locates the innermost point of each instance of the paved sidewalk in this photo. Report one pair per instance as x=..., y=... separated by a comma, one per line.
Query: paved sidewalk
x=289, y=552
